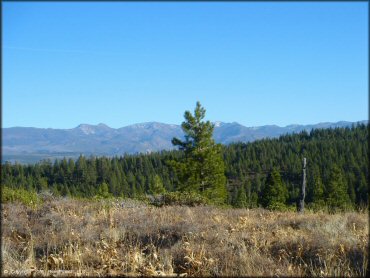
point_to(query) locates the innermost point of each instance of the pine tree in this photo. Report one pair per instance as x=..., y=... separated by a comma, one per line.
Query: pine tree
x=65, y=191
x=253, y=201
x=131, y=180
x=241, y=198
x=275, y=193
x=113, y=184
x=337, y=195
x=156, y=186
x=103, y=190
x=202, y=168
x=318, y=192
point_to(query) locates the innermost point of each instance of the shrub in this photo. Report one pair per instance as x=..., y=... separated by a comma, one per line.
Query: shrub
x=180, y=198
x=28, y=198
x=277, y=206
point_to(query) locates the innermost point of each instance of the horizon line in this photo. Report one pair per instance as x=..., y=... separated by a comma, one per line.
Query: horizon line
x=214, y=122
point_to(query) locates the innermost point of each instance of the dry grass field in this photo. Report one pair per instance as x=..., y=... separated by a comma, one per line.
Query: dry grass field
x=65, y=237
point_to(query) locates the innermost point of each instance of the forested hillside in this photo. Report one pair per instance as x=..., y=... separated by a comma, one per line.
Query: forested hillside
x=337, y=170
x=30, y=145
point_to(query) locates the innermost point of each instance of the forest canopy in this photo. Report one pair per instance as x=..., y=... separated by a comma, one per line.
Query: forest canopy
x=337, y=165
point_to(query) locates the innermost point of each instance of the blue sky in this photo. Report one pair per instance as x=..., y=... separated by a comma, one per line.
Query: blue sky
x=124, y=63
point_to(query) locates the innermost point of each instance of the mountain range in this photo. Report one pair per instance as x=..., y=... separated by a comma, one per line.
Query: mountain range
x=29, y=144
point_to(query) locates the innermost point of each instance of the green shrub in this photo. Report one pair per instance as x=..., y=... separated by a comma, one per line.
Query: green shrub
x=318, y=206
x=28, y=198
x=277, y=206
x=181, y=198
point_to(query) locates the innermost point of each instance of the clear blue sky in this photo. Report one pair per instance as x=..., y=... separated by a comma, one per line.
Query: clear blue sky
x=124, y=63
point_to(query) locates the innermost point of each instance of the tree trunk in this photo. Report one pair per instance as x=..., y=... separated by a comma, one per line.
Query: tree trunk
x=303, y=189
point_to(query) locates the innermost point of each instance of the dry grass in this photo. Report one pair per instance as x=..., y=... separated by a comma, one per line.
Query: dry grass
x=81, y=238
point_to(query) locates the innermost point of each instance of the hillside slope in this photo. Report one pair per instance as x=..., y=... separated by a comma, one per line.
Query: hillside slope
x=28, y=144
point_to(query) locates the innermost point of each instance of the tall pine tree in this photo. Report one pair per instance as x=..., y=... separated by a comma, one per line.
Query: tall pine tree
x=202, y=168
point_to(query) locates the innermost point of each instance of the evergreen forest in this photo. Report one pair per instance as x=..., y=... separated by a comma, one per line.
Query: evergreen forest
x=265, y=173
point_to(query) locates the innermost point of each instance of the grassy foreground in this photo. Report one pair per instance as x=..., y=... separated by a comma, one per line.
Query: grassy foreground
x=65, y=237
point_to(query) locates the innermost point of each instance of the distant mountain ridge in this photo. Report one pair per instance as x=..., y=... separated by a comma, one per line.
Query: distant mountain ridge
x=29, y=144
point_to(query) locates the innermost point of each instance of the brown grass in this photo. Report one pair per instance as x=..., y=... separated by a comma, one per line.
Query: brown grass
x=84, y=238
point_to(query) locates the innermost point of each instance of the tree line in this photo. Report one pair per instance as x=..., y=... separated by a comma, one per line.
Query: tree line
x=333, y=156
x=264, y=173
x=337, y=166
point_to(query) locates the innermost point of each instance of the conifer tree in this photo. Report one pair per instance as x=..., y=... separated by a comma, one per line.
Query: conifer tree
x=103, y=190
x=337, y=195
x=275, y=193
x=202, y=168
x=241, y=198
x=156, y=187
x=318, y=191
x=65, y=191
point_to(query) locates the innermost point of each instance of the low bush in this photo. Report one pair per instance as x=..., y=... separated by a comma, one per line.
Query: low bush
x=179, y=198
x=28, y=198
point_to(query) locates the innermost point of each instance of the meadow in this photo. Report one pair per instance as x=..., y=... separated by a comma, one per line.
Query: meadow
x=70, y=237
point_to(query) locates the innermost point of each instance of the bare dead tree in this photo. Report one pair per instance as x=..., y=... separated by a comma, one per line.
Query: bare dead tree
x=303, y=189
